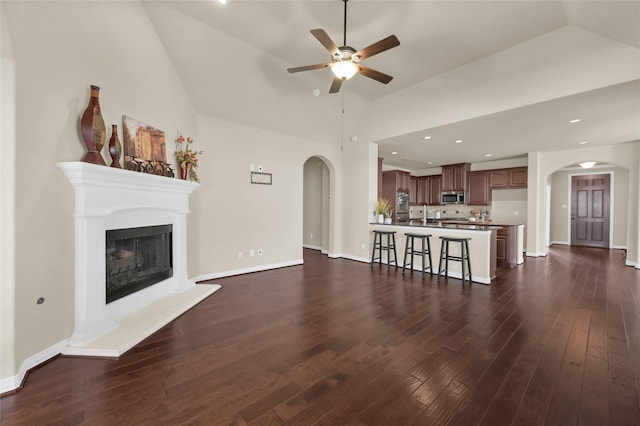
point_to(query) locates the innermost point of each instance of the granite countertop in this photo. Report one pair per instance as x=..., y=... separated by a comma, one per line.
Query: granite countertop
x=446, y=225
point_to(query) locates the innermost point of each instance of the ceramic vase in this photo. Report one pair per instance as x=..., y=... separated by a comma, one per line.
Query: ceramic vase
x=381, y=218
x=94, y=131
x=184, y=171
x=115, y=148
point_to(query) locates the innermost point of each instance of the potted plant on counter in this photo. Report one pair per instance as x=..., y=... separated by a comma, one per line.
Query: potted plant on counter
x=382, y=209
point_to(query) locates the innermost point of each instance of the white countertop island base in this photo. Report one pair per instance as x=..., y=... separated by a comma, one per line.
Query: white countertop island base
x=482, y=249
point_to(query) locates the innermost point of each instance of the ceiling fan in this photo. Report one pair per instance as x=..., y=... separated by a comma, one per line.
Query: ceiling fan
x=346, y=60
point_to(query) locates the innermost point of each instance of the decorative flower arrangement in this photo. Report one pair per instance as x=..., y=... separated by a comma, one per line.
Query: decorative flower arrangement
x=187, y=158
x=383, y=209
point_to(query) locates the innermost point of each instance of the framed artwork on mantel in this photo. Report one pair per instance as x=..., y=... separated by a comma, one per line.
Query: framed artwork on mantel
x=144, y=148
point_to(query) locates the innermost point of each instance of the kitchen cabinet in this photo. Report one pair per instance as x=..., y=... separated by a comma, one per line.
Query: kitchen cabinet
x=479, y=192
x=398, y=180
x=394, y=181
x=454, y=177
x=518, y=177
x=433, y=188
x=404, y=182
x=507, y=246
x=498, y=179
x=515, y=177
x=413, y=190
x=422, y=190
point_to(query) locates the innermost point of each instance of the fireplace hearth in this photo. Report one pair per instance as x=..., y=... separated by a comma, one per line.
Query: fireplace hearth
x=137, y=258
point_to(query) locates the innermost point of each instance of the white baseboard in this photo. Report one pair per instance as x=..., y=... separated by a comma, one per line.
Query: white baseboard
x=536, y=254
x=309, y=246
x=632, y=264
x=619, y=247
x=259, y=268
x=9, y=384
x=562, y=243
x=351, y=257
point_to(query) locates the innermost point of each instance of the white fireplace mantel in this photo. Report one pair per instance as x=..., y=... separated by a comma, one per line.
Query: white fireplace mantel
x=109, y=198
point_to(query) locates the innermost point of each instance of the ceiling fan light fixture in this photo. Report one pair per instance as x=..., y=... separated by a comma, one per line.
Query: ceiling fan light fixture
x=587, y=164
x=344, y=70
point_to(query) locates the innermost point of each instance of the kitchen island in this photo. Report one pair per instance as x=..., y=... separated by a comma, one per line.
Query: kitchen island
x=482, y=245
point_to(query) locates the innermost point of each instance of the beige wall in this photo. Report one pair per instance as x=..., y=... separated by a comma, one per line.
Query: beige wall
x=313, y=203
x=7, y=201
x=229, y=214
x=542, y=166
x=560, y=206
x=60, y=48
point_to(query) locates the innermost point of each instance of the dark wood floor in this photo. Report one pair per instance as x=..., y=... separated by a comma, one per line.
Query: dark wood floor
x=555, y=341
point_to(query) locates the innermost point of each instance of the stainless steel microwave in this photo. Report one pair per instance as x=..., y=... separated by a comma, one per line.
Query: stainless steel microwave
x=452, y=197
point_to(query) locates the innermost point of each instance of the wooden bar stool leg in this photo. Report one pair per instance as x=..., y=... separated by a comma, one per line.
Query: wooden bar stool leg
x=406, y=252
x=423, y=256
x=395, y=254
x=388, y=251
x=373, y=251
x=462, y=261
x=429, y=251
x=446, y=261
x=466, y=243
x=442, y=256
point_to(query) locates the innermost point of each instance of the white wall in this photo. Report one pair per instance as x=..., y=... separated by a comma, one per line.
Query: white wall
x=60, y=48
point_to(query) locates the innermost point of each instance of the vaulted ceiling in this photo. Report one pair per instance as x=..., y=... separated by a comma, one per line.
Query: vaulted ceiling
x=503, y=76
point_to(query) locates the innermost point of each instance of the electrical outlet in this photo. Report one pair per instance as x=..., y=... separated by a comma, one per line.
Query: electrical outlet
x=362, y=246
x=259, y=252
x=252, y=252
x=311, y=237
x=240, y=254
x=517, y=213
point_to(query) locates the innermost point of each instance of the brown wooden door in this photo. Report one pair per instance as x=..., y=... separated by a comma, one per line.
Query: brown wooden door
x=590, y=210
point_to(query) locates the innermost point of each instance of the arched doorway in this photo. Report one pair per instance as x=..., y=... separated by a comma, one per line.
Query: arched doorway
x=317, y=205
x=565, y=224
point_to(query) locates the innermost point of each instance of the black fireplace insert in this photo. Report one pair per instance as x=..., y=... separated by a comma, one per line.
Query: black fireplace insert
x=137, y=258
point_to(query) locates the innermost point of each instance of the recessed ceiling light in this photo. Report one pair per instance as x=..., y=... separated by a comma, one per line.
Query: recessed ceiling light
x=575, y=120
x=426, y=138
x=394, y=152
x=487, y=155
x=583, y=142
x=222, y=1
x=430, y=162
x=458, y=141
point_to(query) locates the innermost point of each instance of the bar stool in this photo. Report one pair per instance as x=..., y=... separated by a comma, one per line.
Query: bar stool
x=463, y=258
x=411, y=251
x=378, y=245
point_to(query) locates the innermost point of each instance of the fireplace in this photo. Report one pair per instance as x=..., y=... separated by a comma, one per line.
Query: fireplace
x=137, y=258
x=141, y=221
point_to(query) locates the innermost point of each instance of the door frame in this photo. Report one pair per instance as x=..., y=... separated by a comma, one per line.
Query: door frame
x=611, y=201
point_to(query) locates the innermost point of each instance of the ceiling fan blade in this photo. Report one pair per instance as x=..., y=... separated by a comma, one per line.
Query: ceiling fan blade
x=376, y=75
x=378, y=47
x=308, y=67
x=335, y=85
x=326, y=41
